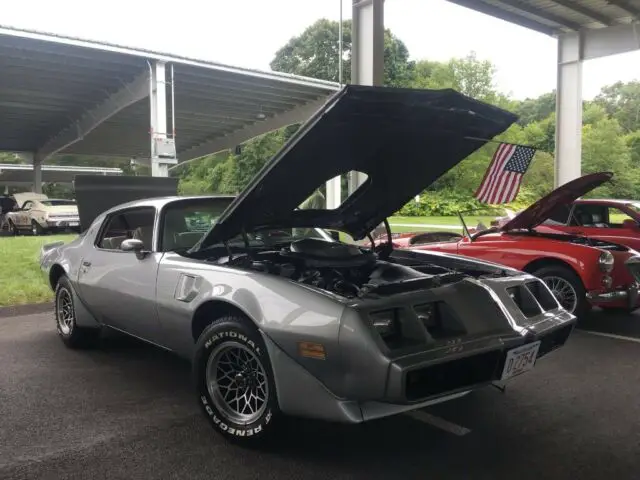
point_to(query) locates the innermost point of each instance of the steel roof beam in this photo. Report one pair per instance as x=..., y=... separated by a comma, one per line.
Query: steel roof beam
x=540, y=13
x=626, y=6
x=129, y=94
x=587, y=12
x=602, y=42
x=498, y=12
x=217, y=144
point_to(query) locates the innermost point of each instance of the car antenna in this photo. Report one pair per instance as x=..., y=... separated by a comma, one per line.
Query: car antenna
x=464, y=226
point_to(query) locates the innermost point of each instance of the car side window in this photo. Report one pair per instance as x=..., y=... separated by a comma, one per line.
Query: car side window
x=589, y=215
x=133, y=223
x=617, y=217
x=27, y=205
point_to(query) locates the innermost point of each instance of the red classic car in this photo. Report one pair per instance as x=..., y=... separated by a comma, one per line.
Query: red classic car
x=581, y=271
x=605, y=219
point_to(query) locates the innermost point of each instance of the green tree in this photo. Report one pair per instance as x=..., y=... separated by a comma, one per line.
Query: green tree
x=604, y=148
x=314, y=53
x=468, y=75
x=622, y=102
x=536, y=109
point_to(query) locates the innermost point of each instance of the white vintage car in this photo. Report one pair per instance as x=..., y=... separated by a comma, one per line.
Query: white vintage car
x=38, y=214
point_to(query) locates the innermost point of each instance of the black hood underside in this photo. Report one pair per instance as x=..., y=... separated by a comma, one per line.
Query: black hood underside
x=402, y=139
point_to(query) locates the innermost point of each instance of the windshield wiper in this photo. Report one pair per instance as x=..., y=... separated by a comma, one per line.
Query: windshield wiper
x=484, y=232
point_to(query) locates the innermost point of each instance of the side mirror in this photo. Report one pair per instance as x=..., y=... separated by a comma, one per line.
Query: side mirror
x=134, y=245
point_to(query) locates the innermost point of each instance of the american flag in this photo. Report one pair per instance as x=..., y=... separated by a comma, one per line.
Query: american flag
x=501, y=182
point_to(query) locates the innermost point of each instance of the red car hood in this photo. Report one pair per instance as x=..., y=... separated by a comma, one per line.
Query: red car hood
x=563, y=195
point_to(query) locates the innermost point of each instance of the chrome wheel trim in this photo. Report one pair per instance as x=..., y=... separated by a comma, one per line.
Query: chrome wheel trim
x=564, y=292
x=64, y=311
x=237, y=382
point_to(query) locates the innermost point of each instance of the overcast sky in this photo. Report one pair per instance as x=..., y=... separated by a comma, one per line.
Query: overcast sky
x=248, y=32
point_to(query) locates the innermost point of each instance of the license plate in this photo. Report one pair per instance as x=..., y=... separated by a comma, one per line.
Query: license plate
x=520, y=360
x=74, y=224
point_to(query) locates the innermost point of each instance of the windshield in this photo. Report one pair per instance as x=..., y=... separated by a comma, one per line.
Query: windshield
x=487, y=219
x=58, y=203
x=185, y=222
x=635, y=206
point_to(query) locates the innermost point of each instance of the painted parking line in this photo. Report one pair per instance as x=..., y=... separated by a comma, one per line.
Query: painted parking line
x=438, y=422
x=612, y=335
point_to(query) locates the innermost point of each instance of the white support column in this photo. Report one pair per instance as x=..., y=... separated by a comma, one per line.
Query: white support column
x=568, y=152
x=160, y=161
x=37, y=174
x=367, y=54
x=367, y=36
x=334, y=192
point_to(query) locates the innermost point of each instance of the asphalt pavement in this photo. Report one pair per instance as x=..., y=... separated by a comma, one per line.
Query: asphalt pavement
x=127, y=411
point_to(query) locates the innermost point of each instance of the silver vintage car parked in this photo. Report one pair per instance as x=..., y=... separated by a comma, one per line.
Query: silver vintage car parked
x=279, y=317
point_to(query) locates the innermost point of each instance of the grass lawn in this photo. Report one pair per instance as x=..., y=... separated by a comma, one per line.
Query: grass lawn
x=21, y=280
x=411, y=224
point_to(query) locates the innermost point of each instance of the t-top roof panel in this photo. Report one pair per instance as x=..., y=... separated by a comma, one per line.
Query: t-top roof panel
x=49, y=83
x=554, y=17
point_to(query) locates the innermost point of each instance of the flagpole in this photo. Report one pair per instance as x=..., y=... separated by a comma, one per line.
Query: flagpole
x=486, y=140
x=340, y=47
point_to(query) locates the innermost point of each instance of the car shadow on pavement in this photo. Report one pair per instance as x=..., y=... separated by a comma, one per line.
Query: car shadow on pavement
x=611, y=322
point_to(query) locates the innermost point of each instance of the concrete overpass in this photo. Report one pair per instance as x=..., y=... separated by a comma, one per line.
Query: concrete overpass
x=585, y=30
x=62, y=94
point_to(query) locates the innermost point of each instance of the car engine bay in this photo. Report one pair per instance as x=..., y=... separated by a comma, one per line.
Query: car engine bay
x=345, y=269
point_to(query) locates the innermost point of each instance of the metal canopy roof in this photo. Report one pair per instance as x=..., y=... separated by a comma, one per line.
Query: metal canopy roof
x=554, y=17
x=51, y=87
x=18, y=174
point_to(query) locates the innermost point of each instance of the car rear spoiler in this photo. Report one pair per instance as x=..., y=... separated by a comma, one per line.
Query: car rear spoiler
x=96, y=194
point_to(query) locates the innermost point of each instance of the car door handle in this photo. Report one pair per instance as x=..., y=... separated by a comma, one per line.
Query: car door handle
x=86, y=264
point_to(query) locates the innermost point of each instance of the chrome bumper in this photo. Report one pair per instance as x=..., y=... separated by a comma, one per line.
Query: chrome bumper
x=64, y=223
x=630, y=295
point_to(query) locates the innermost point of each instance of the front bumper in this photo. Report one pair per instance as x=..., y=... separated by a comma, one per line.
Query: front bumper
x=628, y=297
x=398, y=381
x=63, y=223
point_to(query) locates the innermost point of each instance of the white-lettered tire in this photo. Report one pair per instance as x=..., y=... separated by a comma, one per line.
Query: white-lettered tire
x=71, y=334
x=234, y=380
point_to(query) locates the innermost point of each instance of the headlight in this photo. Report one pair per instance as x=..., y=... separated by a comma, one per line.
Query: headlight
x=605, y=262
x=386, y=323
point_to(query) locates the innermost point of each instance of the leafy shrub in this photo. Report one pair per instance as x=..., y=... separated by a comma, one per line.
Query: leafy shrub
x=446, y=202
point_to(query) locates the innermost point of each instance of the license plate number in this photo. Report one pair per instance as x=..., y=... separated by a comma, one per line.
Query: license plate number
x=520, y=360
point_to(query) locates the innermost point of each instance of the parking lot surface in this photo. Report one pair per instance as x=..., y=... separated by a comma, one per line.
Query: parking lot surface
x=128, y=411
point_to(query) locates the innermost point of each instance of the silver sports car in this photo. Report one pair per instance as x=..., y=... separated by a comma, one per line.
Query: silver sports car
x=279, y=316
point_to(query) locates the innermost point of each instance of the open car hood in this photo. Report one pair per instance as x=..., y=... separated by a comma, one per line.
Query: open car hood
x=563, y=195
x=22, y=197
x=98, y=193
x=402, y=139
